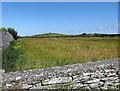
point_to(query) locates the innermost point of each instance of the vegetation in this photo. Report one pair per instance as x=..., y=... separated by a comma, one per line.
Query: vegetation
x=12, y=54
x=3, y=29
x=13, y=57
x=49, y=35
x=57, y=35
x=48, y=52
x=53, y=49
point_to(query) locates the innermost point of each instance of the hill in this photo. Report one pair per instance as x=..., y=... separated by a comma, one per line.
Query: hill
x=49, y=35
x=58, y=35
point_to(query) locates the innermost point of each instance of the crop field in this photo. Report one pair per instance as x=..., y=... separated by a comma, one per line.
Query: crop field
x=48, y=52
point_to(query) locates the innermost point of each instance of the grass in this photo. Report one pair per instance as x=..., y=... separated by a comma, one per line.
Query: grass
x=48, y=52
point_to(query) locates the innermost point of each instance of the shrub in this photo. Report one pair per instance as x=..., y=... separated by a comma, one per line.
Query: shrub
x=11, y=56
x=3, y=29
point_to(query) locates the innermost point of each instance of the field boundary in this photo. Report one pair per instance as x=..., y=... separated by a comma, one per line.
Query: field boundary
x=103, y=74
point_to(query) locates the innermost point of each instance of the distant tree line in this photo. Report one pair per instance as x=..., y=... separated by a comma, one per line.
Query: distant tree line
x=79, y=35
x=99, y=35
x=11, y=31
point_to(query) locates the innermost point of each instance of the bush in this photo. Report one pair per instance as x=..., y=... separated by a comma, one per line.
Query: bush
x=3, y=29
x=11, y=56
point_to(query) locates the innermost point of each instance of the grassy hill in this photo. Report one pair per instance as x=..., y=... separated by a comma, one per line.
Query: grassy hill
x=58, y=35
x=49, y=35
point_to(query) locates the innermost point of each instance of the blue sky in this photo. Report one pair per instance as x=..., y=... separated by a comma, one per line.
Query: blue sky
x=60, y=17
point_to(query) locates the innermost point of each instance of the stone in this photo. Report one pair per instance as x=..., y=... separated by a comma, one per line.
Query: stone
x=8, y=85
x=101, y=84
x=79, y=85
x=25, y=86
x=93, y=81
x=85, y=78
x=18, y=78
x=93, y=85
x=111, y=74
x=86, y=74
x=104, y=79
x=6, y=38
x=57, y=80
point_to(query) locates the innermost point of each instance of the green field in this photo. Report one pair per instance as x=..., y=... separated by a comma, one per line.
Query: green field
x=48, y=52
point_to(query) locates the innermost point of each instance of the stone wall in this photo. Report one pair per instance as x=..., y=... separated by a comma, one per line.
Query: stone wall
x=103, y=74
x=6, y=39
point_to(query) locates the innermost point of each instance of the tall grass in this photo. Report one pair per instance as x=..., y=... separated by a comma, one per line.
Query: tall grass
x=48, y=52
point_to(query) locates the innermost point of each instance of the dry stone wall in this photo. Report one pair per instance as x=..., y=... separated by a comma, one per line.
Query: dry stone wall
x=91, y=75
x=6, y=38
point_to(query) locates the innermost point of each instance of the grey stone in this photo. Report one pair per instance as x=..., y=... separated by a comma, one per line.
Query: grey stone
x=104, y=79
x=69, y=76
x=111, y=74
x=79, y=85
x=86, y=74
x=85, y=78
x=8, y=85
x=25, y=86
x=93, y=85
x=18, y=78
x=57, y=80
x=93, y=81
x=6, y=38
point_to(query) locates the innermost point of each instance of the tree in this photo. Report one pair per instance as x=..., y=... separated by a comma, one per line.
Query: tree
x=13, y=32
x=84, y=34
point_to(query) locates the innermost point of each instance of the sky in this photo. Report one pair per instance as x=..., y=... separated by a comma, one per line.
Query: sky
x=30, y=18
x=60, y=0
